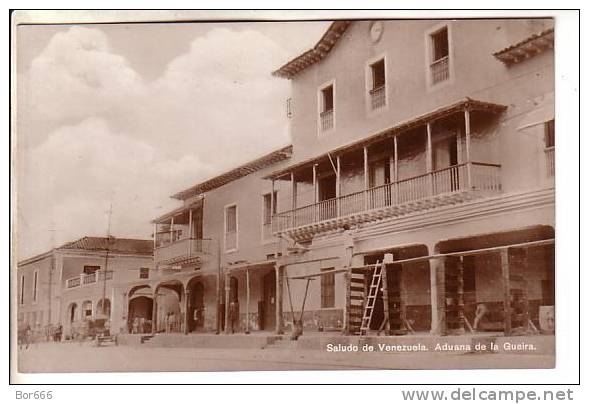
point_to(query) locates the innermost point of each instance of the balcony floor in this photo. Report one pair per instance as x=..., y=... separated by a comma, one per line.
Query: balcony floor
x=306, y=232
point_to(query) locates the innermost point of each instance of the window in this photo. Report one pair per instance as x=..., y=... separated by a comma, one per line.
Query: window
x=90, y=269
x=326, y=107
x=378, y=85
x=549, y=147
x=269, y=208
x=289, y=107
x=440, y=54
x=87, y=309
x=35, y=286
x=231, y=228
x=549, y=133
x=143, y=273
x=22, y=289
x=327, y=289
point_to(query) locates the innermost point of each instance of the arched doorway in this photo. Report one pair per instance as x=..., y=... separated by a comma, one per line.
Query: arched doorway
x=140, y=314
x=196, y=305
x=72, y=312
x=169, y=299
x=103, y=308
x=140, y=310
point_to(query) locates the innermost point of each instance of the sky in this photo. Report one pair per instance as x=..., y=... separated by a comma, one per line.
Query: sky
x=128, y=114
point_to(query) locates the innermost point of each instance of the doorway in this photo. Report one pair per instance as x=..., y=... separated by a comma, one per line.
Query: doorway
x=269, y=302
x=327, y=191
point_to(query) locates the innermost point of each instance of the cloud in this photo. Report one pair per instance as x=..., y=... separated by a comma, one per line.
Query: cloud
x=93, y=130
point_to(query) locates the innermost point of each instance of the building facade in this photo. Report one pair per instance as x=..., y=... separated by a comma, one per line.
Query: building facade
x=79, y=281
x=425, y=143
x=432, y=141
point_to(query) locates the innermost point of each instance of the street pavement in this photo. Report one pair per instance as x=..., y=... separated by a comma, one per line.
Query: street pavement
x=85, y=357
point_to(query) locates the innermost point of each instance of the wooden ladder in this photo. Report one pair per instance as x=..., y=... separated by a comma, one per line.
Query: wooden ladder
x=371, y=299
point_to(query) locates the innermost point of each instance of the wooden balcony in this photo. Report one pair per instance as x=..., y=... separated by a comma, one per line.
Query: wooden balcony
x=451, y=185
x=185, y=251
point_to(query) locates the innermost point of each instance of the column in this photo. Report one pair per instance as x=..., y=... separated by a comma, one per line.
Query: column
x=316, y=215
x=272, y=206
x=187, y=316
x=247, y=301
x=172, y=229
x=396, y=169
x=506, y=291
x=338, y=190
x=227, y=298
x=294, y=198
x=366, y=178
x=154, y=313
x=279, y=293
x=454, y=285
x=190, y=231
x=467, y=135
x=437, y=296
x=429, y=163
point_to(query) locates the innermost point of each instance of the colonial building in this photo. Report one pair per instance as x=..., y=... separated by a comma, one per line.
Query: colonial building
x=432, y=141
x=79, y=281
x=429, y=143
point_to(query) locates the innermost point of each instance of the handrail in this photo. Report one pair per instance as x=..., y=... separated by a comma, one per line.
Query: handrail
x=289, y=213
x=182, y=239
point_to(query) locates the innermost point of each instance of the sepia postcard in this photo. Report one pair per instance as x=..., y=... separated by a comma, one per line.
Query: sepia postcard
x=248, y=193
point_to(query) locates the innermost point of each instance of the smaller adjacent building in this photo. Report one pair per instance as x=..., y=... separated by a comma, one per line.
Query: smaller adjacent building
x=78, y=281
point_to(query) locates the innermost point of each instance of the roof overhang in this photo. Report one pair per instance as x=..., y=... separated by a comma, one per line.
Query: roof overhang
x=239, y=172
x=183, y=209
x=439, y=113
x=251, y=266
x=527, y=48
x=315, y=54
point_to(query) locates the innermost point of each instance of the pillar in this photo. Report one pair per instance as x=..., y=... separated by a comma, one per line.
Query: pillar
x=279, y=295
x=506, y=291
x=338, y=188
x=454, y=288
x=227, y=297
x=429, y=155
x=185, y=328
x=154, y=313
x=437, y=296
x=247, y=301
x=467, y=135
x=366, y=178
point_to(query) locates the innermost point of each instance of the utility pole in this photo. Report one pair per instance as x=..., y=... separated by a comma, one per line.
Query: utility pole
x=102, y=305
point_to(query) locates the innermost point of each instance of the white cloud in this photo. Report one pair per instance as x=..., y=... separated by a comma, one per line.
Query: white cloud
x=92, y=129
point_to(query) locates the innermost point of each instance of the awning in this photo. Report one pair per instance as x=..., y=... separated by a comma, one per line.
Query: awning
x=180, y=210
x=251, y=266
x=543, y=112
x=438, y=113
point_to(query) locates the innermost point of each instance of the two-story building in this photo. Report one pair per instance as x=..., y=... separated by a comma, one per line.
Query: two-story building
x=428, y=142
x=78, y=281
x=433, y=141
x=216, y=249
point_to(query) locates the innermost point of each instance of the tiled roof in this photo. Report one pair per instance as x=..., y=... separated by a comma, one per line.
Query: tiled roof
x=232, y=175
x=314, y=55
x=527, y=48
x=112, y=244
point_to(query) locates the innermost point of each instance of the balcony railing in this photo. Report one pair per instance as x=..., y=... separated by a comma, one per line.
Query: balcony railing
x=451, y=180
x=549, y=151
x=378, y=97
x=440, y=70
x=182, y=249
x=326, y=118
x=87, y=279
